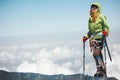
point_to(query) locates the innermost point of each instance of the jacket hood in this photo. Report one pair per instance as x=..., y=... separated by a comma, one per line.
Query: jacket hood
x=98, y=5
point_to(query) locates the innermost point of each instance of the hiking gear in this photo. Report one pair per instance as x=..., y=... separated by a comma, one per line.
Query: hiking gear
x=97, y=5
x=98, y=26
x=83, y=57
x=100, y=74
x=85, y=38
x=93, y=7
x=96, y=45
x=105, y=42
x=104, y=46
x=97, y=23
x=105, y=33
x=96, y=48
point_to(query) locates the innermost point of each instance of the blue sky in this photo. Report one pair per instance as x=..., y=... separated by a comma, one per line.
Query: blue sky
x=27, y=17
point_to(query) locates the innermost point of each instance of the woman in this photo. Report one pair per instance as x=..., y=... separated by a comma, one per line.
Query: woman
x=98, y=29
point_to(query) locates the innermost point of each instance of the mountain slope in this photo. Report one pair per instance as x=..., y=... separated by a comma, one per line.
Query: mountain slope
x=34, y=76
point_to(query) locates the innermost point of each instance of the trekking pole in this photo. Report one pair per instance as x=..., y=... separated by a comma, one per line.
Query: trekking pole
x=104, y=45
x=83, y=59
x=105, y=52
x=105, y=41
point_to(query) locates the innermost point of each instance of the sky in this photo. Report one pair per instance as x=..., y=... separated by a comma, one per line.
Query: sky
x=27, y=17
x=44, y=36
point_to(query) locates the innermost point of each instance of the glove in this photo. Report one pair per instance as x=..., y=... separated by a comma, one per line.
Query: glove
x=105, y=33
x=85, y=38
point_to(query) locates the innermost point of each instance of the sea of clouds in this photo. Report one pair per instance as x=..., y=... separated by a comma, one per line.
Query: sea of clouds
x=55, y=57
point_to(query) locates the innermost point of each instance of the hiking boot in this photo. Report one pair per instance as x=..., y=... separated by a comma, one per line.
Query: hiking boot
x=100, y=74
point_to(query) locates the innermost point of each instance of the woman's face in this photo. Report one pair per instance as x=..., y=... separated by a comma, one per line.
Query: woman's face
x=93, y=10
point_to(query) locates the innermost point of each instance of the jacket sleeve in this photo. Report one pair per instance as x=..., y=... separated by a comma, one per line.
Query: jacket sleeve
x=105, y=25
x=89, y=33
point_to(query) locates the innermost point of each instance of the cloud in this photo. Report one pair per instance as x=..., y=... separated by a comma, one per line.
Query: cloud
x=5, y=55
x=114, y=66
x=4, y=68
x=27, y=67
x=48, y=67
x=43, y=66
x=54, y=58
x=41, y=58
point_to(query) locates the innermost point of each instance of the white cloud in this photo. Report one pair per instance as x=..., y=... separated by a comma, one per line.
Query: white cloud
x=27, y=67
x=114, y=66
x=44, y=66
x=4, y=68
x=51, y=58
x=60, y=53
x=67, y=65
x=6, y=55
x=48, y=67
x=45, y=60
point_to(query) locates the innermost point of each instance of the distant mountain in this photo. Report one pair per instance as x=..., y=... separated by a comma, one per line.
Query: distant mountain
x=34, y=76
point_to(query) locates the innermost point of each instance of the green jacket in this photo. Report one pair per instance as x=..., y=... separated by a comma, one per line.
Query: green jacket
x=98, y=26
